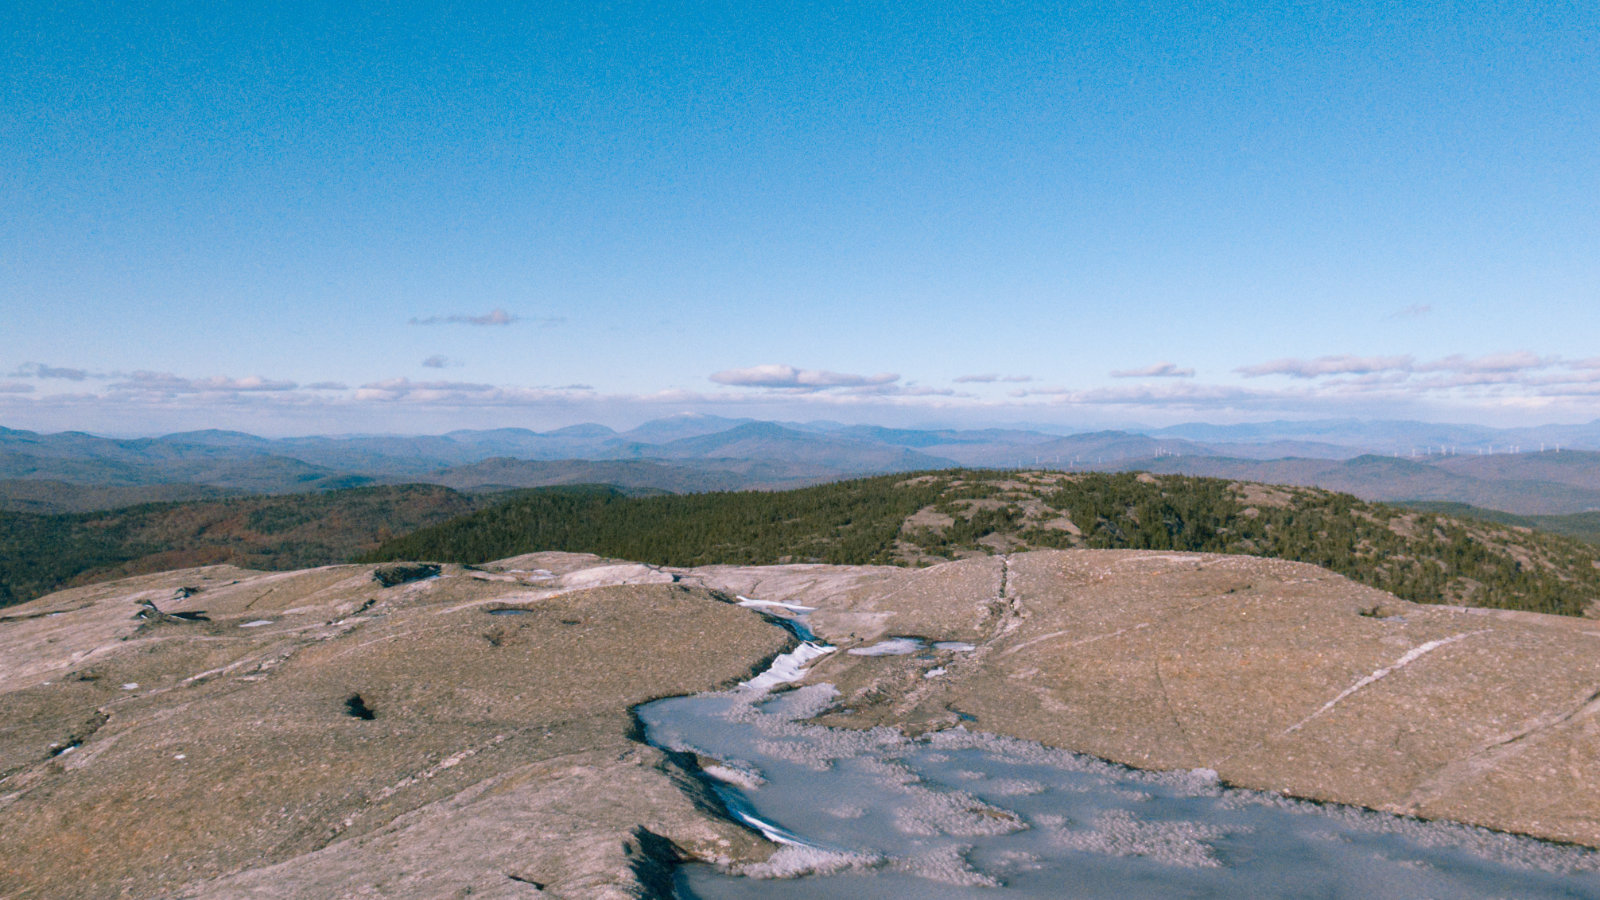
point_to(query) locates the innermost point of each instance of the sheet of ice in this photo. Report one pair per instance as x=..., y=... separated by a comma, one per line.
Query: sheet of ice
x=895, y=646
x=757, y=604
x=954, y=646
x=257, y=623
x=788, y=668
x=874, y=814
x=493, y=576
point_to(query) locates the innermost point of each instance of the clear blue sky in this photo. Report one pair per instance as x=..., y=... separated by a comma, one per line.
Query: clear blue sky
x=296, y=218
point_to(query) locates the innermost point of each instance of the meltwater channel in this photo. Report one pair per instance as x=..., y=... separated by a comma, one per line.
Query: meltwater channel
x=874, y=814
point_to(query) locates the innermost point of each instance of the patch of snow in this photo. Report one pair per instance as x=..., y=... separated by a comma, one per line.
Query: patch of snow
x=897, y=646
x=749, y=779
x=794, y=860
x=490, y=576
x=1118, y=832
x=933, y=673
x=773, y=833
x=957, y=646
x=792, y=607
x=257, y=623
x=788, y=667
x=131, y=686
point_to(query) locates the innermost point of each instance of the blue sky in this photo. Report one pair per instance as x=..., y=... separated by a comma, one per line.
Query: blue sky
x=304, y=218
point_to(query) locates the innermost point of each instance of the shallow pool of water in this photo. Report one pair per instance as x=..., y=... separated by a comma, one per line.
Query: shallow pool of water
x=876, y=815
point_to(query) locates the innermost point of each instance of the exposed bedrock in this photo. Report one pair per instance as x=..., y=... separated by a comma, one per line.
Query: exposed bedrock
x=323, y=736
x=1280, y=676
x=470, y=734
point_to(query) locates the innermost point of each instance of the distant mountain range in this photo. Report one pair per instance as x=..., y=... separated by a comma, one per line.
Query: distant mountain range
x=73, y=471
x=1548, y=483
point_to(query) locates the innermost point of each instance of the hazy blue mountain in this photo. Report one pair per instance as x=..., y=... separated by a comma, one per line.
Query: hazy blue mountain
x=686, y=425
x=696, y=452
x=767, y=441
x=1517, y=489
x=1393, y=437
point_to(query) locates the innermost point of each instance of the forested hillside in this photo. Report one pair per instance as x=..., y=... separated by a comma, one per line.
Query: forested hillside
x=912, y=520
x=41, y=553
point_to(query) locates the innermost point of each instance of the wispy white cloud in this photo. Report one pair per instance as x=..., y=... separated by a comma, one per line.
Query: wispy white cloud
x=168, y=383
x=1181, y=394
x=1520, y=361
x=1392, y=386
x=993, y=378
x=902, y=390
x=782, y=377
x=438, y=361
x=40, y=370
x=1327, y=365
x=1159, y=370
x=400, y=388
x=494, y=316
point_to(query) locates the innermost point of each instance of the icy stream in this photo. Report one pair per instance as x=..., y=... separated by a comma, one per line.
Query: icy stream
x=958, y=814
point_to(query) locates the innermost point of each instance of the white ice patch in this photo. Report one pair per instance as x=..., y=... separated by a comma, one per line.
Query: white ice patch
x=948, y=864
x=131, y=686
x=774, y=833
x=745, y=777
x=758, y=604
x=794, y=860
x=1118, y=832
x=955, y=646
x=532, y=574
x=788, y=668
x=257, y=623
x=491, y=576
x=933, y=673
x=898, y=646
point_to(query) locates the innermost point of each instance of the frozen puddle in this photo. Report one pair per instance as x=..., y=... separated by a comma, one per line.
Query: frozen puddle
x=773, y=604
x=874, y=814
x=905, y=646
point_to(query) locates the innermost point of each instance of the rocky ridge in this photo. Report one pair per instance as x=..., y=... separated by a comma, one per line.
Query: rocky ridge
x=218, y=732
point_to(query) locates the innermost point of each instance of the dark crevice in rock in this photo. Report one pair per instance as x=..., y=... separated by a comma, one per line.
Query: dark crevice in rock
x=356, y=708
x=149, y=612
x=40, y=615
x=401, y=573
x=81, y=736
x=652, y=859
